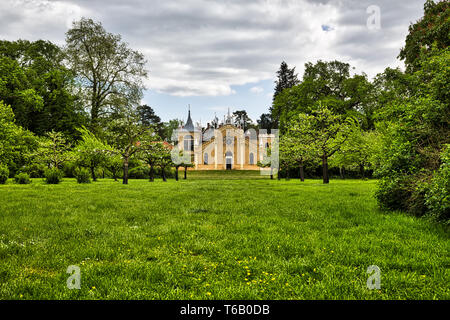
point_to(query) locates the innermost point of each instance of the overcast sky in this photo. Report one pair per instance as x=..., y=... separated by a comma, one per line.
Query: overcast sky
x=216, y=55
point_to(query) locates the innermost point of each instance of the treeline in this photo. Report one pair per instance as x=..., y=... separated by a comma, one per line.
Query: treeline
x=74, y=110
x=394, y=127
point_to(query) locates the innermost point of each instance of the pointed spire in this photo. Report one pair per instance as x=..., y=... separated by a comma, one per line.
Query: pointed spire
x=189, y=125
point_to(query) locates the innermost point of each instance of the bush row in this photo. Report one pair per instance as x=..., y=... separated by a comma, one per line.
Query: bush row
x=419, y=193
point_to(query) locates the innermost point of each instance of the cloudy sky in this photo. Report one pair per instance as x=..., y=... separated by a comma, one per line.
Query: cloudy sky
x=220, y=54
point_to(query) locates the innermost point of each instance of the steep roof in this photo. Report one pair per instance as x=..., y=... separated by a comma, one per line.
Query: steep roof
x=189, y=126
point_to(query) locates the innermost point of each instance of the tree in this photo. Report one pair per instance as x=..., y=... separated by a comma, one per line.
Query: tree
x=432, y=30
x=15, y=143
x=125, y=135
x=182, y=160
x=148, y=118
x=168, y=128
x=287, y=78
x=327, y=78
x=187, y=165
x=293, y=151
x=265, y=121
x=91, y=152
x=242, y=119
x=39, y=88
x=414, y=124
x=164, y=160
x=54, y=150
x=114, y=163
x=324, y=133
x=151, y=151
x=358, y=151
x=109, y=73
x=328, y=83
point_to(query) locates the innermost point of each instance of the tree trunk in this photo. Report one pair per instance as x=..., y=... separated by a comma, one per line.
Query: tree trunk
x=271, y=173
x=302, y=173
x=163, y=174
x=361, y=170
x=176, y=173
x=152, y=174
x=342, y=172
x=93, y=173
x=287, y=174
x=125, y=170
x=326, y=178
x=185, y=173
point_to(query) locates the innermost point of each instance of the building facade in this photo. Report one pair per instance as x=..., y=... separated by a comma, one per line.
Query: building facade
x=223, y=146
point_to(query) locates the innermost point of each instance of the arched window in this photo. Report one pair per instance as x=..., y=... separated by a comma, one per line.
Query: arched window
x=188, y=143
x=252, y=159
x=205, y=158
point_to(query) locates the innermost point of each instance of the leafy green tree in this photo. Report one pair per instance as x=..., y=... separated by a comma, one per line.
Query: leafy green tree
x=415, y=131
x=437, y=197
x=294, y=151
x=182, y=160
x=432, y=30
x=53, y=150
x=148, y=118
x=168, y=129
x=125, y=135
x=329, y=83
x=265, y=122
x=286, y=79
x=91, y=152
x=357, y=152
x=164, y=160
x=114, y=164
x=39, y=88
x=323, y=134
x=109, y=72
x=16, y=144
x=7, y=133
x=242, y=119
x=151, y=150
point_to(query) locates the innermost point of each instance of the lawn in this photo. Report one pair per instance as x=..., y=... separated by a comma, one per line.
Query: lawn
x=215, y=239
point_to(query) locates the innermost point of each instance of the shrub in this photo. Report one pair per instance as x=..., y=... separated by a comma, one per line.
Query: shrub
x=69, y=169
x=53, y=176
x=83, y=175
x=4, y=174
x=437, y=198
x=138, y=173
x=22, y=178
x=393, y=193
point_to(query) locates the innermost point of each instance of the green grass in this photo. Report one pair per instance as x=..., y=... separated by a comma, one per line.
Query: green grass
x=214, y=239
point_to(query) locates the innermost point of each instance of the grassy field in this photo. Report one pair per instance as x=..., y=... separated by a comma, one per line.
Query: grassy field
x=214, y=239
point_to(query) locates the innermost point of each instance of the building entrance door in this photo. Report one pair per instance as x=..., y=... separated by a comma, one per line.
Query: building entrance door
x=229, y=160
x=229, y=164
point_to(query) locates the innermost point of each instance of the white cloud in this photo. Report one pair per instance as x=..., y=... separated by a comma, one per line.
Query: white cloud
x=204, y=47
x=256, y=90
